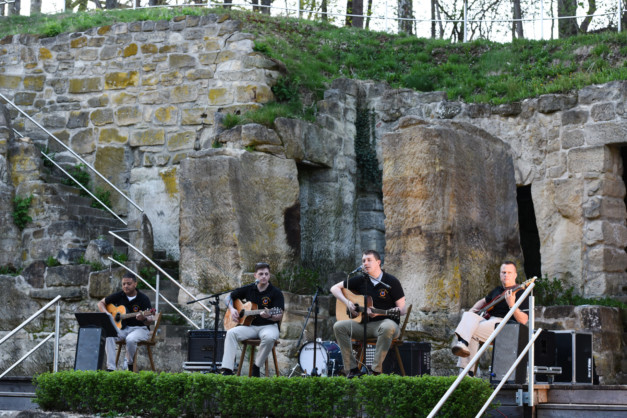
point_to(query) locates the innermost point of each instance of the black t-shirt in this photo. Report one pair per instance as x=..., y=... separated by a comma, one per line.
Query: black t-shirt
x=139, y=303
x=382, y=297
x=272, y=297
x=501, y=308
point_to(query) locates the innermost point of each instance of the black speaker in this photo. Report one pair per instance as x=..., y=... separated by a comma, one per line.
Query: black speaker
x=90, y=348
x=545, y=354
x=416, y=359
x=574, y=356
x=508, y=345
x=200, y=345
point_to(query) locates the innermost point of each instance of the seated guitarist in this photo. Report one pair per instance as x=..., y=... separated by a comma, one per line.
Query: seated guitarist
x=381, y=327
x=265, y=326
x=134, y=329
x=474, y=329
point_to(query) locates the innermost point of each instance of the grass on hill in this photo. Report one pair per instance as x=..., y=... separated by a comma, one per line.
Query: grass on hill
x=316, y=53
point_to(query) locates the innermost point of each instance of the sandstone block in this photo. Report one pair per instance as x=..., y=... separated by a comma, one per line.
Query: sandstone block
x=602, y=112
x=184, y=93
x=595, y=93
x=34, y=82
x=572, y=138
x=147, y=137
x=111, y=162
x=83, y=141
x=448, y=110
x=181, y=140
x=85, y=85
x=71, y=275
x=109, y=52
x=66, y=293
x=112, y=136
x=605, y=133
x=98, y=101
x=208, y=58
x=98, y=250
x=124, y=98
x=305, y=142
x=253, y=93
x=78, y=119
x=101, y=117
x=549, y=103
x=121, y=80
x=199, y=74
x=604, y=258
x=197, y=116
x=574, y=117
x=220, y=96
x=17, y=306
x=128, y=115
x=166, y=115
x=595, y=159
x=181, y=61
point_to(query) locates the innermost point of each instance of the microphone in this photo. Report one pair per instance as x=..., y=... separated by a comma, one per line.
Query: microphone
x=256, y=281
x=356, y=270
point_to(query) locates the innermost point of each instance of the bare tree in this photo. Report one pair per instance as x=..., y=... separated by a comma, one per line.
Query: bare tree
x=517, y=27
x=35, y=7
x=111, y=4
x=567, y=27
x=592, y=8
x=14, y=8
x=355, y=7
x=405, y=12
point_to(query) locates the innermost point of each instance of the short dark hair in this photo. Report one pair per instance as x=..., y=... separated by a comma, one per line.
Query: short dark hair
x=261, y=266
x=372, y=253
x=130, y=275
x=509, y=262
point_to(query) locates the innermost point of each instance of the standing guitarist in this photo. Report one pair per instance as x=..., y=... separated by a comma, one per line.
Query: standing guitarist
x=474, y=328
x=387, y=294
x=134, y=329
x=264, y=326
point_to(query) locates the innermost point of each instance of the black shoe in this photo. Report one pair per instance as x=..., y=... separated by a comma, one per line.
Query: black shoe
x=130, y=367
x=372, y=372
x=226, y=372
x=256, y=371
x=356, y=372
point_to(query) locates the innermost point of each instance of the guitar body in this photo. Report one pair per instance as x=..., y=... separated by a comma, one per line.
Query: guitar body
x=342, y=312
x=119, y=313
x=247, y=313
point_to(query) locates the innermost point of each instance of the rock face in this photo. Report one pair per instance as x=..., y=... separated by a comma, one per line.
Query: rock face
x=236, y=212
x=450, y=221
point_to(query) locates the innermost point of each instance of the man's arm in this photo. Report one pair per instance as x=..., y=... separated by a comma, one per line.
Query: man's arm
x=519, y=315
x=229, y=305
x=477, y=306
x=336, y=290
x=102, y=307
x=400, y=304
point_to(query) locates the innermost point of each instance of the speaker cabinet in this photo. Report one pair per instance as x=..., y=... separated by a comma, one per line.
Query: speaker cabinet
x=200, y=345
x=574, y=356
x=90, y=348
x=508, y=345
x=416, y=358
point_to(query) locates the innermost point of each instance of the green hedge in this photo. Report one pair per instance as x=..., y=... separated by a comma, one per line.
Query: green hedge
x=196, y=394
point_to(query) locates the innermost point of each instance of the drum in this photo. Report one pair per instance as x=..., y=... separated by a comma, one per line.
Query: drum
x=328, y=358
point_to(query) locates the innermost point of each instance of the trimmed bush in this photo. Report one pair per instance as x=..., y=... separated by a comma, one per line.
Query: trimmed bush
x=195, y=394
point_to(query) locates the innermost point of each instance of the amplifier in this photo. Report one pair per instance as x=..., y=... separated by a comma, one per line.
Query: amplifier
x=507, y=347
x=574, y=356
x=200, y=345
x=416, y=359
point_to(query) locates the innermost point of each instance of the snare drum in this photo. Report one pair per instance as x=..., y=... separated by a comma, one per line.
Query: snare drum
x=328, y=358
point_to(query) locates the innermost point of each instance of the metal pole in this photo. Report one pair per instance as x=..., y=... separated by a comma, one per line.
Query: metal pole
x=531, y=363
x=157, y=294
x=465, y=21
x=33, y=316
x=542, y=19
x=509, y=372
x=620, y=14
x=57, y=315
x=26, y=355
x=483, y=348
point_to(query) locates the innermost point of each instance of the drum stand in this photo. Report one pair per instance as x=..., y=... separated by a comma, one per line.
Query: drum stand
x=314, y=306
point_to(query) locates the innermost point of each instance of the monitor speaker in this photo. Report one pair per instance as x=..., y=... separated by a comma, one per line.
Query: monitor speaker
x=508, y=345
x=416, y=357
x=574, y=356
x=201, y=343
x=90, y=348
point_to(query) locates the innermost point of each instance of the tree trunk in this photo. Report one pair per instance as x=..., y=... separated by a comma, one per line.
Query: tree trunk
x=266, y=10
x=324, y=10
x=358, y=9
x=349, y=11
x=405, y=11
x=567, y=27
x=35, y=7
x=111, y=4
x=369, y=13
x=518, y=24
x=592, y=8
x=14, y=8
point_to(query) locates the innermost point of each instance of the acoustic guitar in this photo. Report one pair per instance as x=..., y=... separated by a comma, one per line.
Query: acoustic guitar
x=342, y=312
x=247, y=312
x=484, y=311
x=119, y=313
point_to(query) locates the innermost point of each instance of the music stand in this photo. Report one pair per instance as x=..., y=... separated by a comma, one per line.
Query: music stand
x=94, y=328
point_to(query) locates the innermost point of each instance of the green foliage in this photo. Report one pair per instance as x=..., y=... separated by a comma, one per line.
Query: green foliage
x=149, y=274
x=119, y=257
x=10, y=270
x=95, y=266
x=52, y=262
x=80, y=173
x=370, y=176
x=552, y=292
x=231, y=120
x=195, y=394
x=104, y=196
x=20, y=211
x=298, y=279
x=286, y=89
x=45, y=160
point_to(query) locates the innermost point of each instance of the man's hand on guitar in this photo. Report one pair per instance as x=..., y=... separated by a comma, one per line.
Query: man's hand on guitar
x=510, y=298
x=234, y=314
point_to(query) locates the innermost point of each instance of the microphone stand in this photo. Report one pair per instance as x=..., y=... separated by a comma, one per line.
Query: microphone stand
x=216, y=321
x=314, y=306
